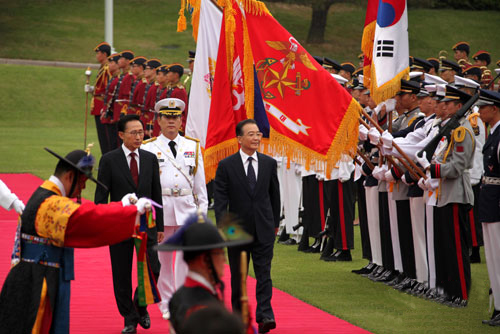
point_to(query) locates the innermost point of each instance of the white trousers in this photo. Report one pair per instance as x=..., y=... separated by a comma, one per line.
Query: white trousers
x=491, y=236
x=373, y=224
x=173, y=271
x=431, y=260
x=417, y=211
x=393, y=218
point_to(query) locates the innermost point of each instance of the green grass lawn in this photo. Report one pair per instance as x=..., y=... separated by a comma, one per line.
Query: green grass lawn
x=44, y=107
x=68, y=30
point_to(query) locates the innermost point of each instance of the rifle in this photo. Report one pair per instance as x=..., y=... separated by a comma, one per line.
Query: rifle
x=300, y=224
x=445, y=131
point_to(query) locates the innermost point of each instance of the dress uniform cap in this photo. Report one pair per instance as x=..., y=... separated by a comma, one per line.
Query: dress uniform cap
x=127, y=54
x=462, y=46
x=431, y=89
x=139, y=61
x=340, y=79
x=103, y=47
x=162, y=68
x=409, y=87
x=482, y=55
x=330, y=63
x=422, y=64
x=440, y=92
x=358, y=72
x=153, y=63
x=464, y=82
x=455, y=94
x=488, y=97
x=191, y=55
x=360, y=85
x=348, y=67
x=79, y=160
x=415, y=75
x=434, y=79
x=450, y=65
x=199, y=234
x=114, y=57
x=319, y=60
x=176, y=68
x=170, y=107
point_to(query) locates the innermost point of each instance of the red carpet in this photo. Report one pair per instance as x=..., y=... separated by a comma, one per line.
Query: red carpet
x=93, y=308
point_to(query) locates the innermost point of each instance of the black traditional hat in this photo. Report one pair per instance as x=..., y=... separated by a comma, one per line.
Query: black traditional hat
x=191, y=55
x=462, y=46
x=114, y=57
x=139, y=61
x=127, y=54
x=482, y=55
x=176, y=68
x=153, y=63
x=199, y=234
x=473, y=70
x=162, y=68
x=103, y=47
x=434, y=62
x=348, y=67
x=455, y=94
x=81, y=161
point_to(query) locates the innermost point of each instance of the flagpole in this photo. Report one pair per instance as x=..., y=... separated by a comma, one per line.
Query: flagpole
x=365, y=158
x=216, y=5
x=405, y=156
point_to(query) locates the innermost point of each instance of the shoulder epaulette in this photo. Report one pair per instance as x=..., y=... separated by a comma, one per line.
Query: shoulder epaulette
x=144, y=80
x=191, y=138
x=412, y=120
x=459, y=134
x=150, y=140
x=156, y=83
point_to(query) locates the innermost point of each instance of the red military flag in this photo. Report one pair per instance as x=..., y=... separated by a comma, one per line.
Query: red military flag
x=312, y=118
x=367, y=39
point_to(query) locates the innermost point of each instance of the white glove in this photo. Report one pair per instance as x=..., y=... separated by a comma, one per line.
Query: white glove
x=403, y=178
x=387, y=139
x=143, y=205
x=129, y=199
x=388, y=176
x=390, y=105
x=379, y=172
x=374, y=136
x=421, y=184
x=18, y=205
x=88, y=88
x=423, y=160
x=379, y=107
x=363, y=132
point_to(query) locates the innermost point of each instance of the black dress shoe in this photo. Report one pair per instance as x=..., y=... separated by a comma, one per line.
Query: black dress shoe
x=495, y=319
x=365, y=270
x=130, y=329
x=418, y=289
x=396, y=280
x=266, y=325
x=377, y=271
x=387, y=277
x=145, y=321
x=329, y=258
x=343, y=255
x=288, y=242
x=456, y=302
x=431, y=294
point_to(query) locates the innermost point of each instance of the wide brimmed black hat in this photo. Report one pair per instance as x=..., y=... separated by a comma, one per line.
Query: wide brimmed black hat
x=199, y=234
x=81, y=161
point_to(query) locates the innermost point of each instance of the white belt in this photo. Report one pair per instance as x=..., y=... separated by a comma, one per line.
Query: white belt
x=491, y=180
x=122, y=100
x=176, y=192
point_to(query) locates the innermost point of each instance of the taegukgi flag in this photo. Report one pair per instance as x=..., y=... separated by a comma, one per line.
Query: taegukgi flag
x=390, y=57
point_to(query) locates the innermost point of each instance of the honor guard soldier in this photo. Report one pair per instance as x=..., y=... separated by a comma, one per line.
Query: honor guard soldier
x=461, y=53
x=473, y=72
x=489, y=109
x=422, y=65
x=482, y=58
x=102, y=52
x=138, y=65
x=331, y=65
x=124, y=84
x=347, y=70
x=176, y=90
x=448, y=70
x=147, y=116
x=435, y=65
x=153, y=96
x=182, y=179
x=108, y=119
x=187, y=81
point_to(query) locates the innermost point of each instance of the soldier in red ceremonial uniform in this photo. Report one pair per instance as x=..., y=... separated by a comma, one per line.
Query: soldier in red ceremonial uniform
x=146, y=96
x=153, y=96
x=107, y=117
x=102, y=52
x=35, y=297
x=138, y=65
x=176, y=90
x=124, y=84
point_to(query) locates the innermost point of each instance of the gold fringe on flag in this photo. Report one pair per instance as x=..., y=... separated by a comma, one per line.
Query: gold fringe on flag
x=390, y=88
x=248, y=71
x=181, y=22
x=215, y=154
x=345, y=141
x=255, y=7
x=367, y=48
x=195, y=16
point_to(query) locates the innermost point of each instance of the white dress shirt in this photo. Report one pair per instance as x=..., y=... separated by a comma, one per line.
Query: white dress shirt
x=255, y=165
x=127, y=155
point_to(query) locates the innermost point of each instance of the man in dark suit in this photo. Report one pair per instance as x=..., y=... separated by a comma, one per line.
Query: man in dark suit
x=125, y=170
x=246, y=184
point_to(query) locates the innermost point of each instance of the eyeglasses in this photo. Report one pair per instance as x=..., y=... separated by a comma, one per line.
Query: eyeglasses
x=135, y=133
x=253, y=134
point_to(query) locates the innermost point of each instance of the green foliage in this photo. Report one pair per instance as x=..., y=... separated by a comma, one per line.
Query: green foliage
x=459, y=4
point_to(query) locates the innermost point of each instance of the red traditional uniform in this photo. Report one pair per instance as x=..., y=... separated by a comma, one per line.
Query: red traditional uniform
x=123, y=99
x=101, y=83
x=175, y=91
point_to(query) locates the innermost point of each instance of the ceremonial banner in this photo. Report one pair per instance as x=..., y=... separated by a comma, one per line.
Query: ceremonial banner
x=207, y=33
x=390, y=57
x=367, y=39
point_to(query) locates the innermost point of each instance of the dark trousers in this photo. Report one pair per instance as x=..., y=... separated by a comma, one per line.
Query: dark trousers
x=385, y=231
x=114, y=140
x=341, y=203
x=262, y=255
x=406, y=238
x=452, y=249
x=122, y=255
x=310, y=202
x=476, y=228
x=363, y=219
x=102, y=134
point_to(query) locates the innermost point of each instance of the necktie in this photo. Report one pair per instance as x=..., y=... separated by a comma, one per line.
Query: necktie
x=133, y=168
x=172, y=148
x=252, y=180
